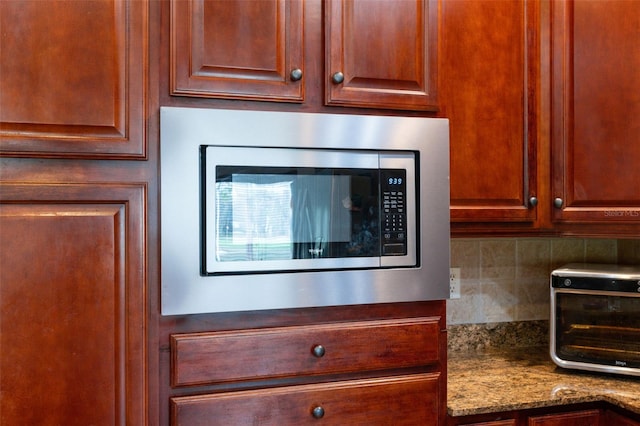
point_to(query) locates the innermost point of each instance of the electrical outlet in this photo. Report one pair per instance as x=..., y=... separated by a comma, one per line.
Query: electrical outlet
x=454, y=283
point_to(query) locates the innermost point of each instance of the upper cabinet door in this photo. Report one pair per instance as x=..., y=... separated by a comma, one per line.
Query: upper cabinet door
x=237, y=49
x=489, y=85
x=596, y=112
x=381, y=53
x=73, y=78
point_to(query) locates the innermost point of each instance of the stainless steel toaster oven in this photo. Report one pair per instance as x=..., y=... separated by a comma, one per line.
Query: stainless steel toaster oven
x=595, y=318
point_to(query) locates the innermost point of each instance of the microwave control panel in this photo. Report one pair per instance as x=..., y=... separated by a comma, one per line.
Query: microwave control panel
x=394, y=216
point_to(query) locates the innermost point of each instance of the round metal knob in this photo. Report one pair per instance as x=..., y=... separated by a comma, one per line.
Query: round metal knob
x=337, y=78
x=317, y=412
x=318, y=351
x=557, y=203
x=533, y=201
x=296, y=74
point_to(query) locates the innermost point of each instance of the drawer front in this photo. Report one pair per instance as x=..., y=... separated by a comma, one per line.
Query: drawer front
x=403, y=400
x=218, y=357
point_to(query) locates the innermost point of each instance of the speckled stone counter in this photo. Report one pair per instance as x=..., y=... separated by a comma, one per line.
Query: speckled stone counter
x=504, y=379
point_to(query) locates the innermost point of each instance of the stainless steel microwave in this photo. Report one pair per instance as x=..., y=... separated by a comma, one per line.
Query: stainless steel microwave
x=283, y=209
x=271, y=210
x=595, y=318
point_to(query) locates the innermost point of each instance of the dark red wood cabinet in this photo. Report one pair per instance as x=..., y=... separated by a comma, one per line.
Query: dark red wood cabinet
x=238, y=49
x=72, y=299
x=354, y=370
x=542, y=101
x=595, y=118
x=375, y=54
x=543, y=105
x=74, y=324
x=73, y=78
x=586, y=414
x=489, y=89
x=381, y=54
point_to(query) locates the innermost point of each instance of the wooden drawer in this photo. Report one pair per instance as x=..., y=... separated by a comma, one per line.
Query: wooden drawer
x=401, y=400
x=217, y=357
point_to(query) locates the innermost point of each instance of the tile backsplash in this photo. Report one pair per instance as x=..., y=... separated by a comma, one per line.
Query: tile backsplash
x=507, y=279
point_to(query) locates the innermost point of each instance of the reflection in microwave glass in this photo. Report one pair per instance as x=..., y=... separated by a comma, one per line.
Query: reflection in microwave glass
x=262, y=216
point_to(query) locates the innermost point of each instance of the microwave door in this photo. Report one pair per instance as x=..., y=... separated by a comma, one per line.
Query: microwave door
x=316, y=211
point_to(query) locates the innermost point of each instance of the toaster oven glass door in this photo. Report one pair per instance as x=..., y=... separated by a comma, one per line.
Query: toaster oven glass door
x=598, y=328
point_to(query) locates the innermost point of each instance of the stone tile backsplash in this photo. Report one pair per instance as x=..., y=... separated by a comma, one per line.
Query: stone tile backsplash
x=507, y=279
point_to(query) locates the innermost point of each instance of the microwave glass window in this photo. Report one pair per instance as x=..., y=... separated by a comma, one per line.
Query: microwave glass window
x=598, y=328
x=268, y=213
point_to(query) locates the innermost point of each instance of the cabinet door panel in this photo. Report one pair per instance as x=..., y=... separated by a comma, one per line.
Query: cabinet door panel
x=488, y=91
x=596, y=110
x=237, y=49
x=508, y=422
x=73, y=78
x=613, y=418
x=577, y=418
x=72, y=305
x=385, y=49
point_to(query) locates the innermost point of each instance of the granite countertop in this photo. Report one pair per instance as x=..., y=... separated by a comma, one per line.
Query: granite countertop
x=523, y=378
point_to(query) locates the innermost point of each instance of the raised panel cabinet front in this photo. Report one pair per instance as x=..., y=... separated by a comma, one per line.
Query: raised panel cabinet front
x=489, y=87
x=381, y=53
x=596, y=113
x=576, y=418
x=72, y=78
x=402, y=400
x=72, y=324
x=323, y=349
x=237, y=49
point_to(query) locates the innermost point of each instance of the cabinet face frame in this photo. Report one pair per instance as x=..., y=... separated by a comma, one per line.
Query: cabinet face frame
x=381, y=67
x=205, y=66
x=594, y=148
x=84, y=94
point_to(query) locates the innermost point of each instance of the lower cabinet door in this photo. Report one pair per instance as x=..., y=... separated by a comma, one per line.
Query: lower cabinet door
x=576, y=418
x=401, y=400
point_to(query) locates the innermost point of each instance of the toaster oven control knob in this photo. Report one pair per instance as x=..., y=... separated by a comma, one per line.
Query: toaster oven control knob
x=318, y=351
x=567, y=282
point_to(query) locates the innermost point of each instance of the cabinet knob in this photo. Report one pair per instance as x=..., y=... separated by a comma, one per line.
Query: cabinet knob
x=533, y=201
x=317, y=412
x=318, y=351
x=296, y=74
x=337, y=78
x=557, y=203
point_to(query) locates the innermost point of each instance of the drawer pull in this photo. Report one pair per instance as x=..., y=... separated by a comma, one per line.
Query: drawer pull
x=317, y=412
x=318, y=351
